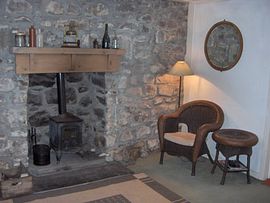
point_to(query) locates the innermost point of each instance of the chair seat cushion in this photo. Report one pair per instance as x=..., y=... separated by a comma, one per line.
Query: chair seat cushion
x=182, y=138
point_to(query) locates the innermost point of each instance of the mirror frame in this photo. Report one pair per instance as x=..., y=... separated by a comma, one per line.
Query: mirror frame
x=236, y=33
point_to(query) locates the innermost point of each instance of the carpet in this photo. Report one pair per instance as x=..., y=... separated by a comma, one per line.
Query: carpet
x=137, y=188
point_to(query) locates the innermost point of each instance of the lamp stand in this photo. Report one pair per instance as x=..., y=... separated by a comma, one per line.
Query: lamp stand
x=180, y=91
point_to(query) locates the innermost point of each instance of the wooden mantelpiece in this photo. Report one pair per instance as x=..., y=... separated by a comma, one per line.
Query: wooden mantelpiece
x=64, y=60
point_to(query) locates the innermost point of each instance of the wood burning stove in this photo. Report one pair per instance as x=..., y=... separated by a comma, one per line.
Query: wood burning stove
x=65, y=129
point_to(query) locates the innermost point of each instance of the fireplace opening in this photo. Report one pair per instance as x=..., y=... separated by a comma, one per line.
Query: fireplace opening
x=70, y=118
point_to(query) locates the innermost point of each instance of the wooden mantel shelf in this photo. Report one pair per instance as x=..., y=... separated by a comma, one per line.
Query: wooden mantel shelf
x=64, y=60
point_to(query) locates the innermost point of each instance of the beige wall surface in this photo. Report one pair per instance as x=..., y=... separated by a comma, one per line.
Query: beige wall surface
x=243, y=91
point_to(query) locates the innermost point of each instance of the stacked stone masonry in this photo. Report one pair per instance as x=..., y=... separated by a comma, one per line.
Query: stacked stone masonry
x=121, y=107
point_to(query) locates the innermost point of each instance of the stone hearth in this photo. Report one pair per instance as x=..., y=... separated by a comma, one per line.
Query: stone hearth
x=74, y=171
x=69, y=161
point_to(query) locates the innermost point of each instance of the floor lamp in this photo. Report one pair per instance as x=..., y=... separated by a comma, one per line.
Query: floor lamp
x=180, y=68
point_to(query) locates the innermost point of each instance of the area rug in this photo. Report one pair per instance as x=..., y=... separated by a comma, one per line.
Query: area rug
x=137, y=188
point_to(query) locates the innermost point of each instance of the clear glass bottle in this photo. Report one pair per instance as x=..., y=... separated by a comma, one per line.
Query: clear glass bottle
x=106, y=38
x=115, y=42
x=39, y=38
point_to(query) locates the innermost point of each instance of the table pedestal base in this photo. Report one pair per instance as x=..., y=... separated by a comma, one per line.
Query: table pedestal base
x=229, y=166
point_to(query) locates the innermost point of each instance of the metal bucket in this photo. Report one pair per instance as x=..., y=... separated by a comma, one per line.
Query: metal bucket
x=41, y=154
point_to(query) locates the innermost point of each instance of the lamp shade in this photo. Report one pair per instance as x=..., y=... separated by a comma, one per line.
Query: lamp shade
x=181, y=68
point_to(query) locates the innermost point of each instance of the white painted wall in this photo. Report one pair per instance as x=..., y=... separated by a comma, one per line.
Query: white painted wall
x=242, y=92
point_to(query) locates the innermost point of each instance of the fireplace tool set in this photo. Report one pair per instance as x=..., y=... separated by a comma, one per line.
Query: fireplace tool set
x=41, y=152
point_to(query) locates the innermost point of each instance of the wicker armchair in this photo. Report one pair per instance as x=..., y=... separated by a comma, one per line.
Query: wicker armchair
x=201, y=117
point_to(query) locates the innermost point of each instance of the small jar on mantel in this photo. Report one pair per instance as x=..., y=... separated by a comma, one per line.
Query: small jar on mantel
x=115, y=42
x=20, y=39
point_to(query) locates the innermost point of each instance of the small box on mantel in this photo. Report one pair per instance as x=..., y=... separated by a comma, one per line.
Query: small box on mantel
x=14, y=187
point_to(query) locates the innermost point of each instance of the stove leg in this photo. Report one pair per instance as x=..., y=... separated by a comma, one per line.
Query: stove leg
x=58, y=155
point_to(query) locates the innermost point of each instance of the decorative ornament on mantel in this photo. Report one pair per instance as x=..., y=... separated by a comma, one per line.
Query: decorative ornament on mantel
x=71, y=36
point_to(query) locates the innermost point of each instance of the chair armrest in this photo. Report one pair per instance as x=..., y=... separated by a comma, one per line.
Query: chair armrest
x=166, y=123
x=201, y=135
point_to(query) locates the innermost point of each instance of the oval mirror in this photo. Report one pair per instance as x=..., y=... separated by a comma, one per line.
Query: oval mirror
x=223, y=45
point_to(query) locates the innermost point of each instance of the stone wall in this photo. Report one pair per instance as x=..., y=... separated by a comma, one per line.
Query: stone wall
x=123, y=106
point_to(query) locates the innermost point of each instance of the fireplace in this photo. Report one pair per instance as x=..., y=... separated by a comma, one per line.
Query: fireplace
x=86, y=96
x=65, y=130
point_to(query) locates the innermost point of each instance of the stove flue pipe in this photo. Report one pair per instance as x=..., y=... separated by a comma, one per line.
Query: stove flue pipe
x=61, y=93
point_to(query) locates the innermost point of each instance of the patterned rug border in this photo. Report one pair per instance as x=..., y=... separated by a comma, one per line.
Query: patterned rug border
x=156, y=186
x=113, y=199
x=161, y=189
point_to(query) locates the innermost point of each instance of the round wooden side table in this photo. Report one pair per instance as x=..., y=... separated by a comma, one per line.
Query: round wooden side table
x=233, y=142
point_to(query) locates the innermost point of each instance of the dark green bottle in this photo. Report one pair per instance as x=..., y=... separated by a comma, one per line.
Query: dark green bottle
x=106, y=38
